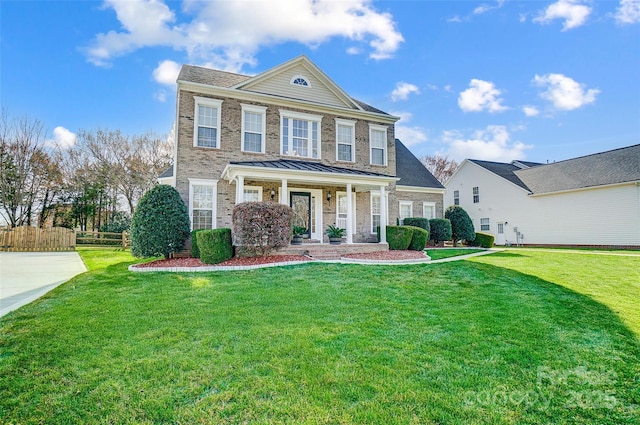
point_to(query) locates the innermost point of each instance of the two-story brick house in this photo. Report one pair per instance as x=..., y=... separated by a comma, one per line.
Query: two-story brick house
x=292, y=135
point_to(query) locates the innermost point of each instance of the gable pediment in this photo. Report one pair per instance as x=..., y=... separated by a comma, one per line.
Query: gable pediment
x=299, y=79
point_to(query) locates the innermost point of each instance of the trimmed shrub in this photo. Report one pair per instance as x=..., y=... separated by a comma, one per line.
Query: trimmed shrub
x=195, y=251
x=261, y=227
x=440, y=230
x=461, y=224
x=399, y=237
x=418, y=222
x=482, y=239
x=215, y=245
x=160, y=223
x=419, y=238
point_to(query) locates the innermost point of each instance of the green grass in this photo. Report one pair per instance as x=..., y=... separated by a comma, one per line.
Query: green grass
x=440, y=253
x=514, y=337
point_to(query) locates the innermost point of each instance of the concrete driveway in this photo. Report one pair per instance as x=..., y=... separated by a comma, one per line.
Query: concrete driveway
x=26, y=276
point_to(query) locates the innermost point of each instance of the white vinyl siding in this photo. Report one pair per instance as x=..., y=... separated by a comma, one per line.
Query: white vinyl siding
x=253, y=128
x=206, y=130
x=202, y=203
x=300, y=134
x=378, y=144
x=345, y=140
x=406, y=210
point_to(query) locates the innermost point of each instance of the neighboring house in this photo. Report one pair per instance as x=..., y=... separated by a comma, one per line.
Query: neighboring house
x=593, y=200
x=292, y=135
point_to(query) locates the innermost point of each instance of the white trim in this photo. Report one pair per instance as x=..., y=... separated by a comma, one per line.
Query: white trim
x=419, y=189
x=211, y=103
x=315, y=193
x=262, y=111
x=400, y=205
x=581, y=189
x=383, y=129
x=204, y=182
x=284, y=102
x=302, y=77
x=430, y=205
x=352, y=125
x=311, y=118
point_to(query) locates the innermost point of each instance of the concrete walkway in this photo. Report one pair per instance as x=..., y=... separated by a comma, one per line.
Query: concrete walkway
x=26, y=276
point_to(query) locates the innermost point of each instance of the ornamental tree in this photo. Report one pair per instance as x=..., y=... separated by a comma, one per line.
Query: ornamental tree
x=461, y=224
x=160, y=223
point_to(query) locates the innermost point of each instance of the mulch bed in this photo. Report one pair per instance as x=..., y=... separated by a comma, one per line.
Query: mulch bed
x=238, y=261
x=388, y=255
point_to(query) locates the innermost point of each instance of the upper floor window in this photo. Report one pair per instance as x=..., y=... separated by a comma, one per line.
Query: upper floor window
x=345, y=140
x=484, y=225
x=253, y=128
x=476, y=195
x=299, y=80
x=456, y=197
x=206, y=132
x=378, y=143
x=300, y=134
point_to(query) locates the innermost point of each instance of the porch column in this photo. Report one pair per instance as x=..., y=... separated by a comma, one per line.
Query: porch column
x=349, y=214
x=283, y=193
x=239, y=189
x=383, y=215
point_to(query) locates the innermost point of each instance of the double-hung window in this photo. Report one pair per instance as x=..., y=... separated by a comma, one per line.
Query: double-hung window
x=252, y=194
x=253, y=128
x=456, y=197
x=429, y=210
x=345, y=140
x=406, y=210
x=378, y=144
x=202, y=203
x=375, y=212
x=206, y=132
x=300, y=134
x=341, y=216
x=476, y=195
x=484, y=225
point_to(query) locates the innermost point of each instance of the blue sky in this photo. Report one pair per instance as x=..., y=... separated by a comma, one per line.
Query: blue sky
x=495, y=80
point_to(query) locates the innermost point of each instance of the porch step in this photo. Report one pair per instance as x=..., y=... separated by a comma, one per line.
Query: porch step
x=324, y=254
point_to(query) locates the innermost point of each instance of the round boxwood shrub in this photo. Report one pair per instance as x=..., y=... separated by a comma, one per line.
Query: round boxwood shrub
x=399, y=237
x=461, y=224
x=440, y=230
x=484, y=240
x=160, y=224
x=215, y=245
x=418, y=222
x=419, y=238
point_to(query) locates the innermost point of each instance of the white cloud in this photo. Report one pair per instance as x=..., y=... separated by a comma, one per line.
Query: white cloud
x=491, y=144
x=228, y=34
x=408, y=135
x=403, y=90
x=166, y=72
x=530, y=111
x=572, y=11
x=456, y=19
x=564, y=92
x=484, y=8
x=160, y=95
x=353, y=51
x=628, y=12
x=62, y=138
x=481, y=95
x=447, y=88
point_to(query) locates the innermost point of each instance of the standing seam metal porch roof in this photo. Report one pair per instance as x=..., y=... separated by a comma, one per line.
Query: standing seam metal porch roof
x=289, y=164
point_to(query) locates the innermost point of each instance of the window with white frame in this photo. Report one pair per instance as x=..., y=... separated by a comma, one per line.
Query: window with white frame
x=206, y=132
x=341, y=214
x=345, y=140
x=375, y=212
x=202, y=203
x=429, y=210
x=299, y=80
x=476, y=195
x=300, y=134
x=406, y=210
x=253, y=128
x=456, y=197
x=252, y=194
x=484, y=225
x=378, y=144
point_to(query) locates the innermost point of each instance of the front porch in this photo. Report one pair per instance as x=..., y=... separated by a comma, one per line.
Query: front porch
x=323, y=251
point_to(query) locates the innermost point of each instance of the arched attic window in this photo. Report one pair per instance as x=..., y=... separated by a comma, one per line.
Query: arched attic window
x=299, y=80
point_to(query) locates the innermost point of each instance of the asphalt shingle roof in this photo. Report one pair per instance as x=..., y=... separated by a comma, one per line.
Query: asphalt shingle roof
x=167, y=173
x=411, y=171
x=290, y=164
x=506, y=171
x=605, y=168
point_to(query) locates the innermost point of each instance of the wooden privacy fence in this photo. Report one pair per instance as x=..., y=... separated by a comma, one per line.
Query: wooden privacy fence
x=103, y=238
x=35, y=239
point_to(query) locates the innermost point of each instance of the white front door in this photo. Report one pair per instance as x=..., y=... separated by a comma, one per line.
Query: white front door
x=500, y=235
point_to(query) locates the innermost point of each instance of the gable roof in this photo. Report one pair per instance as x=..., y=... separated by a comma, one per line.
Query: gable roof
x=167, y=173
x=600, y=169
x=210, y=77
x=506, y=171
x=411, y=171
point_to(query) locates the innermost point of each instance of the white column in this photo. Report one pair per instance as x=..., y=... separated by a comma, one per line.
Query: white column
x=283, y=193
x=239, y=189
x=383, y=215
x=349, y=214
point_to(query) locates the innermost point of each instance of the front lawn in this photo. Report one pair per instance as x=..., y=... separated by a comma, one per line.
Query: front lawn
x=513, y=337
